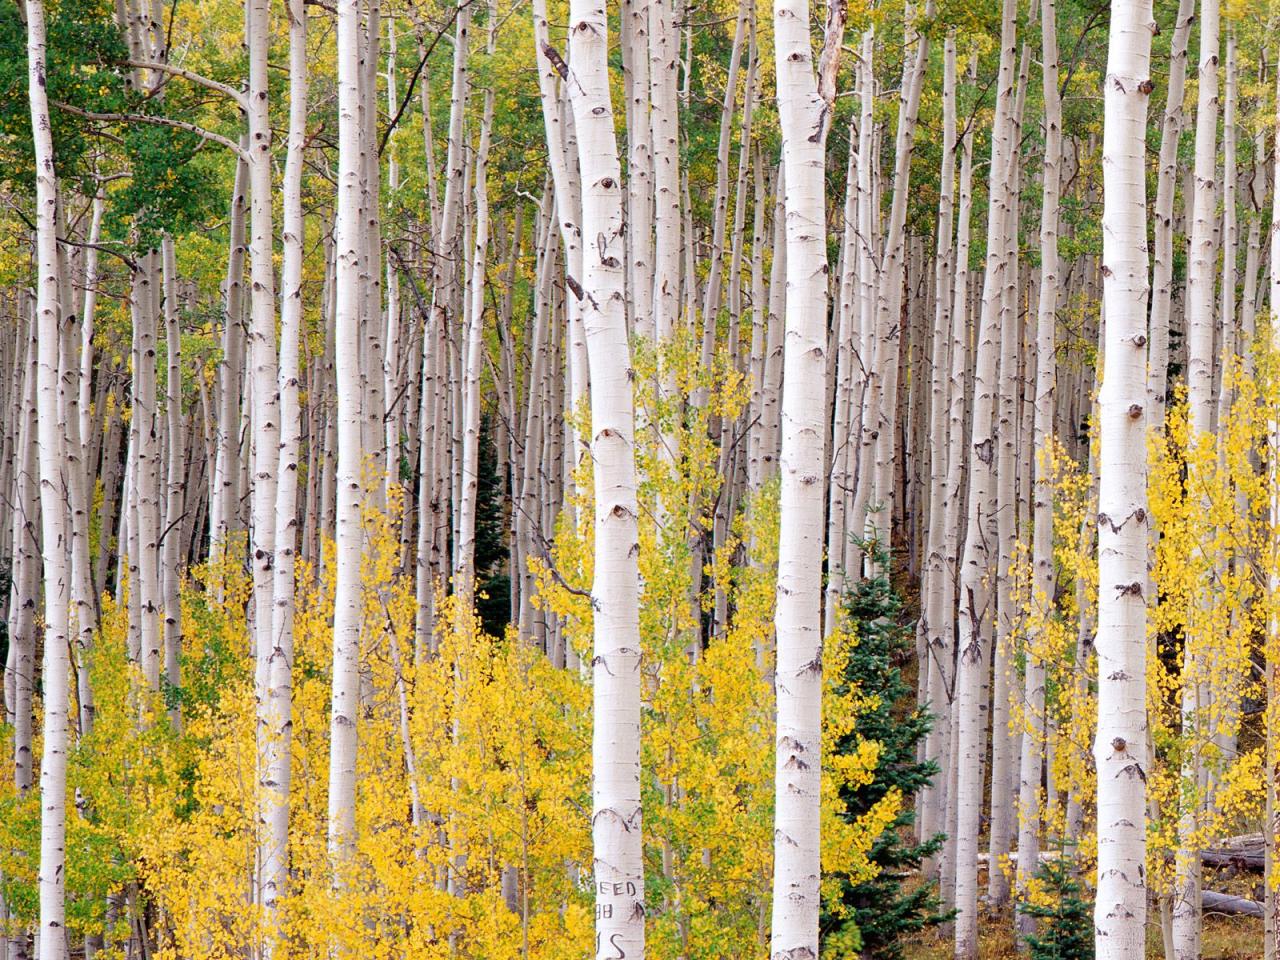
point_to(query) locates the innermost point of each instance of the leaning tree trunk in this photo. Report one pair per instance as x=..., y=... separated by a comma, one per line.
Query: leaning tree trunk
x=804, y=101
x=57, y=582
x=1120, y=750
x=616, y=816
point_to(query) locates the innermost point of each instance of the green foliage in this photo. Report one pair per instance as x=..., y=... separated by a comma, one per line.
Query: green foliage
x=883, y=909
x=82, y=44
x=1066, y=915
x=493, y=598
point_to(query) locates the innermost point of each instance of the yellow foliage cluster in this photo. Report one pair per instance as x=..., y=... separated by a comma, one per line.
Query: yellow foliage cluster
x=1210, y=604
x=474, y=761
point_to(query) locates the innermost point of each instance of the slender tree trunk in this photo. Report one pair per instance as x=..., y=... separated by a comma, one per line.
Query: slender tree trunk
x=1120, y=750
x=616, y=816
x=1201, y=277
x=347, y=599
x=57, y=581
x=937, y=623
x=1042, y=560
x=974, y=604
x=464, y=560
x=804, y=101
x=276, y=774
x=175, y=480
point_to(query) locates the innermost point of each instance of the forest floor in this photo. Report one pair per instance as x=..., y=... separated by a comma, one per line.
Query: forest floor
x=1225, y=938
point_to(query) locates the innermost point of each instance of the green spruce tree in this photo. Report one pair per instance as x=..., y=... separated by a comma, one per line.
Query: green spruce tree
x=875, y=915
x=1066, y=921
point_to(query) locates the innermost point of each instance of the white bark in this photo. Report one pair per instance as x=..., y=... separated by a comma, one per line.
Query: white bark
x=938, y=621
x=224, y=494
x=57, y=584
x=976, y=567
x=175, y=481
x=1120, y=750
x=1042, y=573
x=616, y=817
x=145, y=522
x=473, y=349
x=265, y=409
x=276, y=772
x=347, y=599
x=1201, y=280
x=804, y=99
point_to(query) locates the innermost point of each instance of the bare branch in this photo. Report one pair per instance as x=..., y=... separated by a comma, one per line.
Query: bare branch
x=196, y=78
x=157, y=121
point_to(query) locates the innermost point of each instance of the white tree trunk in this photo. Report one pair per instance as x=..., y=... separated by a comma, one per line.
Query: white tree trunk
x=57, y=581
x=175, y=479
x=1120, y=751
x=976, y=567
x=276, y=772
x=265, y=410
x=938, y=621
x=224, y=494
x=1201, y=281
x=473, y=349
x=616, y=817
x=347, y=598
x=1042, y=572
x=804, y=98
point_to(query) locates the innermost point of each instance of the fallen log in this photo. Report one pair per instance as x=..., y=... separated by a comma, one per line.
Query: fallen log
x=1240, y=859
x=1214, y=902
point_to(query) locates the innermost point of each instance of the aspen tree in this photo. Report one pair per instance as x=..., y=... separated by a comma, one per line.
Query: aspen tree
x=432, y=410
x=1004, y=761
x=804, y=102
x=265, y=410
x=175, y=482
x=1120, y=748
x=392, y=362
x=1042, y=561
x=1171, y=128
x=634, y=27
x=883, y=399
x=276, y=773
x=974, y=604
x=615, y=756
x=347, y=599
x=944, y=740
x=224, y=493
x=937, y=621
x=464, y=562
x=144, y=525
x=1201, y=276
x=847, y=368
x=20, y=662
x=664, y=66
x=57, y=585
